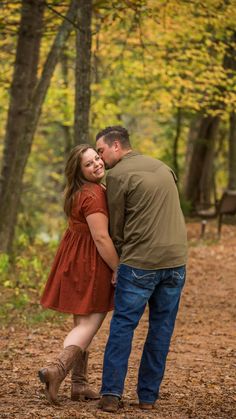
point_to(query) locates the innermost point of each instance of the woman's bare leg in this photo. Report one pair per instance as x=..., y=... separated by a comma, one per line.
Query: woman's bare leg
x=85, y=329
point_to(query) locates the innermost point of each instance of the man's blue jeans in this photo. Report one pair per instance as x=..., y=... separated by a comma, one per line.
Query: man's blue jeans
x=161, y=289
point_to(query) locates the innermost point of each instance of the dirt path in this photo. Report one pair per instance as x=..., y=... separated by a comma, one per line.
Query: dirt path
x=200, y=375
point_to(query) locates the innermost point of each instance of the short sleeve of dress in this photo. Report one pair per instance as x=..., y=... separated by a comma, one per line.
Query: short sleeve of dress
x=94, y=200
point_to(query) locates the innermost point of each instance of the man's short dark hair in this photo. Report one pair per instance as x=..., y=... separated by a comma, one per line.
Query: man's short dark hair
x=115, y=132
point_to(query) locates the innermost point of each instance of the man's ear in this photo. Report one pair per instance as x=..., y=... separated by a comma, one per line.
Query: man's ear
x=116, y=145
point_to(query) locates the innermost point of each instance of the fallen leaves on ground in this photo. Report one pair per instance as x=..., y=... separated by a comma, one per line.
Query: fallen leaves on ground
x=200, y=375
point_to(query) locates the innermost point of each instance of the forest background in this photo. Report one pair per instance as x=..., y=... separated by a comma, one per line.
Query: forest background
x=165, y=69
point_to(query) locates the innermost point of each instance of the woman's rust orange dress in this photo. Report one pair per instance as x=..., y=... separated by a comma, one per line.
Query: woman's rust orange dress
x=80, y=280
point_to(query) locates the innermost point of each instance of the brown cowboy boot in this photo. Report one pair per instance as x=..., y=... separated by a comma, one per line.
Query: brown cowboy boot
x=110, y=403
x=146, y=406
x=54, y=374
x=80, y=389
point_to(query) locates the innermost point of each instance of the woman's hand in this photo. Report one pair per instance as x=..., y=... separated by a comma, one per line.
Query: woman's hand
x=114, y=278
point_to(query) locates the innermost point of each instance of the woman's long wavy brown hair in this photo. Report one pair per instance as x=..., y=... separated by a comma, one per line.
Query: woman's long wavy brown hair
x=74, y=175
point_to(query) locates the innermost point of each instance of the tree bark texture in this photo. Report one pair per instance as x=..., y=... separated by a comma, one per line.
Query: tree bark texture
x=83, y=73
x=23, y=83
x=176, y=141
x=230, y=65
x=232, y=152
x=66, y=129
x=199, y=182
x=26, y=102
x=192, y=138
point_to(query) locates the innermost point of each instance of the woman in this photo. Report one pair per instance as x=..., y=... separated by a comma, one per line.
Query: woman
x=81, y=275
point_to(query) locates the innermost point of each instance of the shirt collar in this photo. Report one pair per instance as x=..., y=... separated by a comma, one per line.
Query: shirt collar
x=130, y=154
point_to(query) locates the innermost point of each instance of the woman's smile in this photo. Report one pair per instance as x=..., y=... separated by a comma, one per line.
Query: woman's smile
x=92, y=166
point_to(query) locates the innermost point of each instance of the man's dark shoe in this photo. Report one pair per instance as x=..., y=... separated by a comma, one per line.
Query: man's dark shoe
x=110, y=403
x=146, y=406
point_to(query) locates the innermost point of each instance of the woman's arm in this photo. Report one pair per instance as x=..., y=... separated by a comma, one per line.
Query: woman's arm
x=98, y=225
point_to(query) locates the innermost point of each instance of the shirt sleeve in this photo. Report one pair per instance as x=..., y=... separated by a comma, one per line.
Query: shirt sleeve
x=116, y=207
x=93, y=201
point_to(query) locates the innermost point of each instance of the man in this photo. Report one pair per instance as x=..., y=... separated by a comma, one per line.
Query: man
x=148, y=230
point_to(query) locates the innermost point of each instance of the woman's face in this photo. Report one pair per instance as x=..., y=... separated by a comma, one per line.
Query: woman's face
x=92, y=166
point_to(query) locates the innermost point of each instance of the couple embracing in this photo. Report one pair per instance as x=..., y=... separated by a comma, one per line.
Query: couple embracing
x=128, y=240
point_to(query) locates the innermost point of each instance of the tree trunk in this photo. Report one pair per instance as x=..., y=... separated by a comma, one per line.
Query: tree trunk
x=24, y=112
x=232, y=152
x=192, y=138
x=207, y=179
x=66, y=129
x=23, y=83
x=83, y=73
x=230, y=65
x=176, y=141
x=200, y=175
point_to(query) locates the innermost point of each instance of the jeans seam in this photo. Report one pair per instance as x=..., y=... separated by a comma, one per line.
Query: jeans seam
x=140, y=277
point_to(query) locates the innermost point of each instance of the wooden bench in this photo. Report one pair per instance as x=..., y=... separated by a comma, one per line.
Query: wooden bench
x=225, y=206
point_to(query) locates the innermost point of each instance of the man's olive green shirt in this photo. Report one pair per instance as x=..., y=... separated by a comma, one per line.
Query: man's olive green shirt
x=146, y=222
